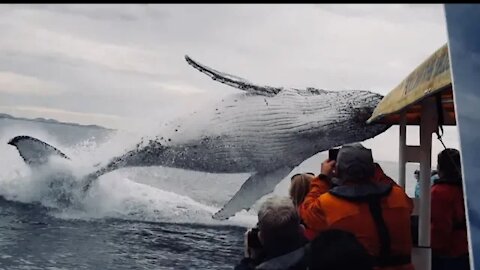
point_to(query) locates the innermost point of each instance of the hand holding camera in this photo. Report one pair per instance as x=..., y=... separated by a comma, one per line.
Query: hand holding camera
x=253, y=246
x=328, y=166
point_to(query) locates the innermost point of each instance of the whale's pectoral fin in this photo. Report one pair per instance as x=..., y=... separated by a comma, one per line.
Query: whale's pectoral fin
x=234, y=81
x=254, y=188
x=34, y=151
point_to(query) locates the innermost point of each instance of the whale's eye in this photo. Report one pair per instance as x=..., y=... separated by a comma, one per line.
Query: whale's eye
x=363, y=114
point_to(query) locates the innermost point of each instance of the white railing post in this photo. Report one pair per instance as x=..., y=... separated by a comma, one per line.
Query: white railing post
x=428, y=124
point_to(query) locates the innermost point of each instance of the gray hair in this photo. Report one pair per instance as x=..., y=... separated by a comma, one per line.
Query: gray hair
x=278, y=212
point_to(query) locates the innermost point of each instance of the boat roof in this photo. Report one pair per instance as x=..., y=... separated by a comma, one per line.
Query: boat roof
x=431, y=78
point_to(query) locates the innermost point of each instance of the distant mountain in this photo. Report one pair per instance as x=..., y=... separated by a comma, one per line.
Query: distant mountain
x=50, y=121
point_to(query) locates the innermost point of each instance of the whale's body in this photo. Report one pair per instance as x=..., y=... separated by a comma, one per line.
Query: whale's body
x=265, y=131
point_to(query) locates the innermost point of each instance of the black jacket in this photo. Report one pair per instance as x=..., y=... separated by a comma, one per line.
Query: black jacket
x=293, y=259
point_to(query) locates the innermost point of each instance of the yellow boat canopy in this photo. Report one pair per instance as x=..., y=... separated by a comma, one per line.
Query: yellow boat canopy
x=431, y=78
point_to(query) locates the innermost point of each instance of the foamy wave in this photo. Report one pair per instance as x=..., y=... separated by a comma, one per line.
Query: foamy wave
x=122, y=198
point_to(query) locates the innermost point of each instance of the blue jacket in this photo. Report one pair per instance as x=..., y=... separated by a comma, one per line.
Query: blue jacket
x=417, y=186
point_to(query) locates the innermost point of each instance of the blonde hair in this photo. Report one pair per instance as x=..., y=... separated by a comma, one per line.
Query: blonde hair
x=299, y=187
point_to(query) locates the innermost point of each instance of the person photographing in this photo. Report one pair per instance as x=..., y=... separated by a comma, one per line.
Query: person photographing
x=278, y=240
x=354, y=195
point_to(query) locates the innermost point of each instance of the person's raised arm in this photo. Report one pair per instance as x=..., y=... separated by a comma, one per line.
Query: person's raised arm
x=311, y=210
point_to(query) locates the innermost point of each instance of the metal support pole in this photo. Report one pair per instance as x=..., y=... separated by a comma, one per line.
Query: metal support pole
x=427, y=127
x=402, y=150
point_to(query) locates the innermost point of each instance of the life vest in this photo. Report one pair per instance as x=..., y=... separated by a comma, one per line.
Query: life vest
x=379, y=216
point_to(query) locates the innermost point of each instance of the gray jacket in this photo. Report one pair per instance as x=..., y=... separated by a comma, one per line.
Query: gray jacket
x=294, y=260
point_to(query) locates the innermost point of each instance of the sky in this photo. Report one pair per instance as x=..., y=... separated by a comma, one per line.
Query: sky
x=122, y=66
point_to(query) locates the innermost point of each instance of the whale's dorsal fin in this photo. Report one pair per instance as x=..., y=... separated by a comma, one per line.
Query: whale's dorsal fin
x=34, y=151
x=234, y=81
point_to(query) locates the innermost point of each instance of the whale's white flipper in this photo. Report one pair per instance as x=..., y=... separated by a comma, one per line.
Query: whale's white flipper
x=33, y=151
x=254, y=188
x=234, y=81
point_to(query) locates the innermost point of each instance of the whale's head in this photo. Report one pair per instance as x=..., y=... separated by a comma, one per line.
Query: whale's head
x=359, y=106
x=334, y=118
x=342, y=118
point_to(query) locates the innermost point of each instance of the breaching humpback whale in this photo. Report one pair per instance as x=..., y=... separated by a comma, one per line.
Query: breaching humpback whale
x=266, y=131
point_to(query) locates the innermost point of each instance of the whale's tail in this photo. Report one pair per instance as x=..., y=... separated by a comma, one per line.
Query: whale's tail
x=34, y=151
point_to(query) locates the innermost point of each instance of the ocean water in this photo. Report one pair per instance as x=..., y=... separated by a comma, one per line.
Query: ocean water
x=32, y=238
x=135, y=218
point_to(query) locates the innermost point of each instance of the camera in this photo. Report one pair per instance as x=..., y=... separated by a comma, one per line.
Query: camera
x=252, y=238
x=253, y=247
x=333, y=153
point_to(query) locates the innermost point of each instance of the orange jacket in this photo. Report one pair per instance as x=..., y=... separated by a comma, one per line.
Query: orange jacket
x=381, y=177
x=448, y=225
x=322, y=210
